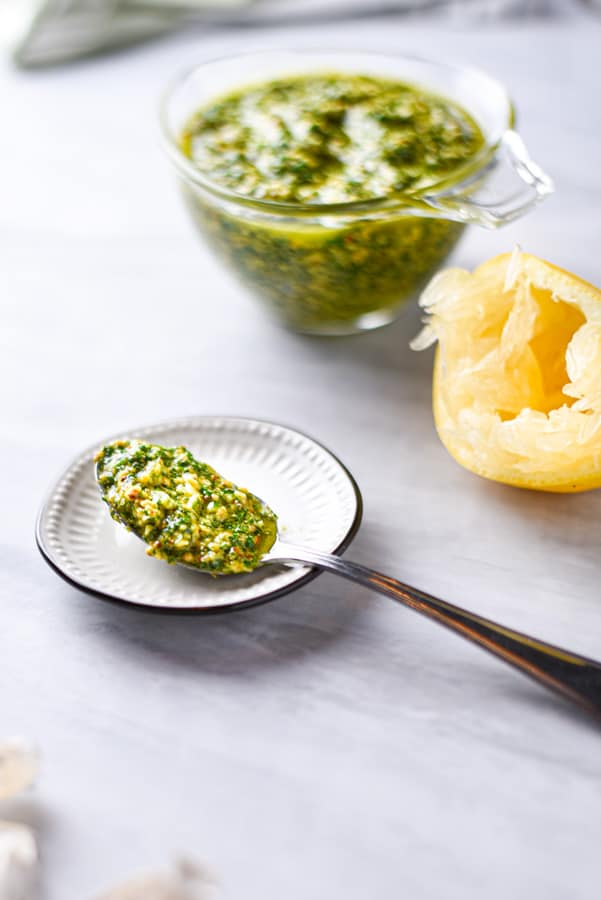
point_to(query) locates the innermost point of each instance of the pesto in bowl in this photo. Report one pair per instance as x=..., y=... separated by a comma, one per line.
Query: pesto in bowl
x=293, y=166
x=329, y=139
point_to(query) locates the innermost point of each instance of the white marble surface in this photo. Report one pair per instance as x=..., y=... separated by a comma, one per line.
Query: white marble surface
x=328, y=745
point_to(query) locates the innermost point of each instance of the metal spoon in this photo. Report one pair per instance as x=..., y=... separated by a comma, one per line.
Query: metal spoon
x=575, y=677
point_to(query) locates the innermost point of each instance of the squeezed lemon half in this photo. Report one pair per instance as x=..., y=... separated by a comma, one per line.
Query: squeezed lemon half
x=517, y=374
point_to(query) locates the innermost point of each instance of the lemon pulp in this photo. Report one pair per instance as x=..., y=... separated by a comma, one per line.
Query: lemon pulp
x=517, y=375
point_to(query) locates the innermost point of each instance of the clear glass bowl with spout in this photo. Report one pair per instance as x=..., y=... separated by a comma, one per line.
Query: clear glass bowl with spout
x=348, y=267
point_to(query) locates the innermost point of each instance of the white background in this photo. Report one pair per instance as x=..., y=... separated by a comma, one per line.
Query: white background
x=329, y=745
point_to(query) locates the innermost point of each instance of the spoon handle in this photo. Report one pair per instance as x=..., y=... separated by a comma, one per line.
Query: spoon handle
x=575, y=677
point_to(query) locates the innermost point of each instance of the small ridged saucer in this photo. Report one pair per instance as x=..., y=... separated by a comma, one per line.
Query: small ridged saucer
x=315, y=497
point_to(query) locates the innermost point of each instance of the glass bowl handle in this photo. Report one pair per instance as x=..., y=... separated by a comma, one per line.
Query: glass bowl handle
x=508, y=186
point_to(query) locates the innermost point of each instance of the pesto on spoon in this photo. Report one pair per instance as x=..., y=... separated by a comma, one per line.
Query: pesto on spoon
x=183, y=509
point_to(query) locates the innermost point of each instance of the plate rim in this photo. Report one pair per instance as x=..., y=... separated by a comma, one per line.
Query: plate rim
x=313, y=573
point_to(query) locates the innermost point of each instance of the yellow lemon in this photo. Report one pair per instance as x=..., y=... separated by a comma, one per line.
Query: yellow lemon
x=517, y=375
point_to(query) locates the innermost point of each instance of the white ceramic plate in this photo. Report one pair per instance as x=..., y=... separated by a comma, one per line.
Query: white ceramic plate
x=315, y=497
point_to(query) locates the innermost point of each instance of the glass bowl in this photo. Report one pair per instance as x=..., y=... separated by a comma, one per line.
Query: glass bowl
x=342, y=268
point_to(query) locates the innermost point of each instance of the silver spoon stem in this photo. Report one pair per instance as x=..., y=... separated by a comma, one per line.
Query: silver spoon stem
x=575, y=677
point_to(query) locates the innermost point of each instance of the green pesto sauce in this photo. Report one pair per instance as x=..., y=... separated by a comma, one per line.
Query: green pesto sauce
x=329, y=139
x=183, y=509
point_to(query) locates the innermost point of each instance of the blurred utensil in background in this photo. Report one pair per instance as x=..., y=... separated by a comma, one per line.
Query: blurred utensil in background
x=64, y=30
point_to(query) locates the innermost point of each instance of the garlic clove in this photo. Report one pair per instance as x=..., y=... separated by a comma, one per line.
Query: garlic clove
x=18, y=862
x=187, y=880
x=18, y=766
